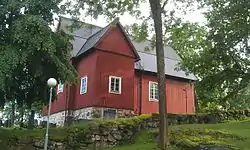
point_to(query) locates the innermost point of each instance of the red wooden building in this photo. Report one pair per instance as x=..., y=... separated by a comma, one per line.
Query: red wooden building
x=117, y=76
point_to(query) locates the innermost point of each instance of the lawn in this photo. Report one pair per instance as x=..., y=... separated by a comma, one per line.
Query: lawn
x=233, y=133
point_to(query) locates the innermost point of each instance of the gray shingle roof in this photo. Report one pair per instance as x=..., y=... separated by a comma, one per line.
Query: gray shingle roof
x=148, y=63
x=77, y=44
x=80, y=35
x=86, y=38
x=92, y=40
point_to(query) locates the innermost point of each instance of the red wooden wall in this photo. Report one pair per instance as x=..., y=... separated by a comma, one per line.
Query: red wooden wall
x=58, y=104
x=115, y=58
x=85, y=67
x=180, y=96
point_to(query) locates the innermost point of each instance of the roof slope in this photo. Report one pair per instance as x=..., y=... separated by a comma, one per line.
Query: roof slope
x=93, y=40
x=148, y=63
x=87, y=36
x=81, y=35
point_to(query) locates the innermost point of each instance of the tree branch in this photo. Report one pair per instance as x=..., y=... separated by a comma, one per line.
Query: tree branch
x=164, y=4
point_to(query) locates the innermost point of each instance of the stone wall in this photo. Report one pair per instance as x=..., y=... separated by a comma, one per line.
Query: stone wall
x=88, y=114
x=114, y=132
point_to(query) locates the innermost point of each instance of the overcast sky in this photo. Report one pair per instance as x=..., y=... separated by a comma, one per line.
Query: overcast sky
x=127, y=19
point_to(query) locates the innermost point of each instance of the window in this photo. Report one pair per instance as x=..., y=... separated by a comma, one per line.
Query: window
x=153, y=91
x=115, y=85
x=84, y=85
x=59, y=88
x=109, y=114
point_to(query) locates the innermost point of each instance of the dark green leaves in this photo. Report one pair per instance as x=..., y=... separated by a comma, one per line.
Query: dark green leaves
x=32, y=33
x=218, y=55
x=30, y=52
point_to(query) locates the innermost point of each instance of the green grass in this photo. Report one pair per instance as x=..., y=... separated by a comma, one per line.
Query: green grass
x=241, y=129
x=236, y=134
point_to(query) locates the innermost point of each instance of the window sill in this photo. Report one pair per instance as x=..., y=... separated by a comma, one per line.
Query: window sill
x=153, y=100
x=117, y=93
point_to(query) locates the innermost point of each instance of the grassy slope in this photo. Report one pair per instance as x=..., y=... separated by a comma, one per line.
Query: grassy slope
x=237, y=128
x=145, y=141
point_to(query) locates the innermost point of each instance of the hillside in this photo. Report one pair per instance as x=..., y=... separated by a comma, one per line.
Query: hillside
x=187, y=132
x=234, y=134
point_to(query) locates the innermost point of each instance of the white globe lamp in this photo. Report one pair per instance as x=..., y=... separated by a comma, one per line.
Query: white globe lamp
x=52, y=82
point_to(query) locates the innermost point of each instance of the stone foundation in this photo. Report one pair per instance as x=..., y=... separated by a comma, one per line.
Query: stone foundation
x=90, y=113
x=56, y=118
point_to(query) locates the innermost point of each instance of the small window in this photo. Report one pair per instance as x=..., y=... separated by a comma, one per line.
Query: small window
x=84, y=85
x=109, y=114
x=115, y=85
x=153, y=91
x=59, y=88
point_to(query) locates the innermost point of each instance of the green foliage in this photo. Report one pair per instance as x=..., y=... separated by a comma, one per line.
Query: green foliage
x=30, y=52
x=217, y=53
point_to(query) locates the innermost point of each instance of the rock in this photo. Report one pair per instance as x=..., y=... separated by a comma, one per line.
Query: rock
x=97, y=138
x=117, y=136
x=38, y=144
x=111, y=138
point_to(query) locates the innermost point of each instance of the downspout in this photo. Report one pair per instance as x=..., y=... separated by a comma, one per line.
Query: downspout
x=66, y=119
x=140, y=93
x=141, y=69
x=196, y=103
x=186, y=100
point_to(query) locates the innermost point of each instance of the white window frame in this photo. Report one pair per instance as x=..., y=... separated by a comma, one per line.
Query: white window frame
x=60, y=88
x=81, y=90
x=155, y=92
x=120, y=84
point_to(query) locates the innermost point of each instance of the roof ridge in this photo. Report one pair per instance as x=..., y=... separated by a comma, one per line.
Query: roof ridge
x=155, y=55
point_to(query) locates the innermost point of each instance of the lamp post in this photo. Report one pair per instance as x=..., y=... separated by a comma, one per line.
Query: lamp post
x=51, y=83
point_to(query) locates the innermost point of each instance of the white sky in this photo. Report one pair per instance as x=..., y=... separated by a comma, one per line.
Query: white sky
x=127, y=19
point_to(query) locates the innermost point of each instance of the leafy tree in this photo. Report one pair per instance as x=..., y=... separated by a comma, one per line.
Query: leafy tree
x=218, y=53
x=30, y=52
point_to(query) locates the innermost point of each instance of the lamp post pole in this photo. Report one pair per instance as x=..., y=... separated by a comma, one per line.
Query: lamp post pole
x=51, y=83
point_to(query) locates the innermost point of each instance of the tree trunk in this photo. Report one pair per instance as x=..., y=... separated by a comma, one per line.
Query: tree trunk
x=31, y=117
x=67, y=120
x=157, y=12
x=13, y=113
x=22, y=114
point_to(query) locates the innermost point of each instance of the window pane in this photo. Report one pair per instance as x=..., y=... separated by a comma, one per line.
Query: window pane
x=116, y=88
x=117, y=80
x=83, y=85
x=112, y=84
x=151, y=94
x=60, y=88
x=153, y=91
x=115, y=84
